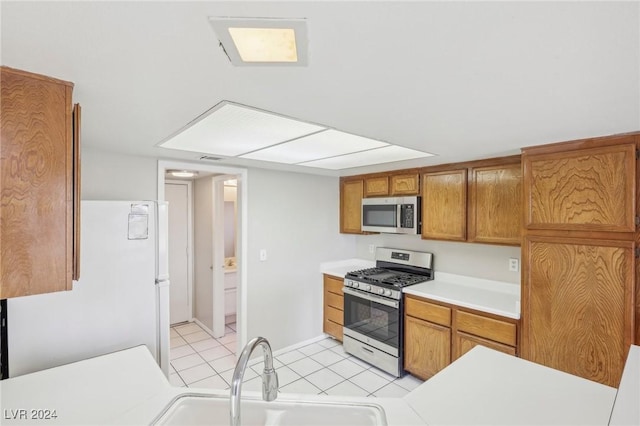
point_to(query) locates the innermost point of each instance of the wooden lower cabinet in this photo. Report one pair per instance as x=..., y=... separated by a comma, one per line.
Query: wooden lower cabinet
x=333, y=306
x=578, y=305
x=427, y=347
x=437, y=334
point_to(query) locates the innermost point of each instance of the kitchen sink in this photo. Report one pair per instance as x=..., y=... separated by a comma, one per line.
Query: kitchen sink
x=202, y=409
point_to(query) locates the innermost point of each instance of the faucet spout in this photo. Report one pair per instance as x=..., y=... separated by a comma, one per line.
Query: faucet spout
x=269, y=376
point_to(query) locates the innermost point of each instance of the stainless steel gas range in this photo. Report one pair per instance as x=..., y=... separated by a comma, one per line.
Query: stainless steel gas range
x=374, y=306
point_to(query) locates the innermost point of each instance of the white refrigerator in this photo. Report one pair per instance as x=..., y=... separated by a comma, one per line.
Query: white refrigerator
x=121, y=299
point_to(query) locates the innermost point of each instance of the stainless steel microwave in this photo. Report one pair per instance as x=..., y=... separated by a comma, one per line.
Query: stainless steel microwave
x=394, y=215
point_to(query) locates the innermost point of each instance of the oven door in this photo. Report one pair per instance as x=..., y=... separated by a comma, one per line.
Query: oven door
x=373, y=320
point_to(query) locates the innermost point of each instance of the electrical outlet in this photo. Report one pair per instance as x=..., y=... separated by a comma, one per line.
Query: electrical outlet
x=514, y=264
x=372, y=248
x=263, y=255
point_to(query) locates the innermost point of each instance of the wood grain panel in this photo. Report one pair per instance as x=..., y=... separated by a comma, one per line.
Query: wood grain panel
x=376, y=186
x=333, y=329
x=444, y=205
x=333, y=300
x=578, y=306
x=333, y=284
x=427, y=347
x=405, y=184
x=495, y=204
x=334, y=315
x=481, y=326
x=465, y=342
x=589, y=189
x=35, y=181
x=427, y=311
x=351, y=206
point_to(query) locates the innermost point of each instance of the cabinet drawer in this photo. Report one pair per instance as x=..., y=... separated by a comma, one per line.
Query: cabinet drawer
x=428, y=311
x=334, y=300
x=334, y=315
x=466, y=342
x=333, y=329
x=332, y=284
x=489, y=328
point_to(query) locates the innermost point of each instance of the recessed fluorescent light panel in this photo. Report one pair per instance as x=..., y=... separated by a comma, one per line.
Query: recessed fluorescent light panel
x=329, y=143
x=234, y=130
x=386, y=154
x=230, y=130
x=262, y=41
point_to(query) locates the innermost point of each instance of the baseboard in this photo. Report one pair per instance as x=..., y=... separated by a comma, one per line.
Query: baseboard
x=299, y=345
x=229, y=319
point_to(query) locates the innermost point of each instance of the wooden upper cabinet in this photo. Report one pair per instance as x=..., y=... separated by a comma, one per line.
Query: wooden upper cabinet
x=578, y=305
x=37, y=184
x=405, y=184
x=495, y=204
x=444, y=205
x=351, y=192
x=589, y=189
x=376, y=186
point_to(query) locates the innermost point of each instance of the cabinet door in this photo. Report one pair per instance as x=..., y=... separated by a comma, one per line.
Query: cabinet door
x=465, y=342
x=444, y=205
x=577, y=306
x=495, y=204
x=427, y=347
x=405, y=184
x=36, y=185
x=588, y=189
x=376, y=187
x=351, y=207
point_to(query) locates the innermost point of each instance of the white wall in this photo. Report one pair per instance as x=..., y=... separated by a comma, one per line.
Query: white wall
x=295, y=217
x=112, y=176
x=477, y=260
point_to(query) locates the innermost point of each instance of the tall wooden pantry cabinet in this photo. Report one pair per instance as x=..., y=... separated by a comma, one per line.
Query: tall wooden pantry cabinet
x=39, y=184
x=580, y=293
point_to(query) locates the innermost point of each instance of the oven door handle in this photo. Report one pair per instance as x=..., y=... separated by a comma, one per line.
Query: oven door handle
x=372, y=298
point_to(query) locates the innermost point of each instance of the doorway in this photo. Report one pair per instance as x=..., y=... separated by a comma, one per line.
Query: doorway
x=224, y=264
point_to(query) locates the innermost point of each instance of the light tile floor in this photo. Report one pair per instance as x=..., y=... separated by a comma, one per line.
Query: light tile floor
x=323, y=367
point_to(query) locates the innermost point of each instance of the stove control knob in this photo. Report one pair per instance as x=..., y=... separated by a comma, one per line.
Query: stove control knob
x=355, y=284
x=380, y=291
x=367, y=287
x=387, y=292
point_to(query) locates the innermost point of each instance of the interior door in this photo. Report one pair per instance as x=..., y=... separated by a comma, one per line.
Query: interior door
x=177, y=194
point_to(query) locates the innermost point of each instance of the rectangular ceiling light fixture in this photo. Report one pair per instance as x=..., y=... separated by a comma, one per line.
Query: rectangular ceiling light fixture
x=386, y=154
x=262, y=41
x=230, y=129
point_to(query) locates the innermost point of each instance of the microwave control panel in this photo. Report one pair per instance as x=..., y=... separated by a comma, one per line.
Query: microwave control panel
x=407, y=215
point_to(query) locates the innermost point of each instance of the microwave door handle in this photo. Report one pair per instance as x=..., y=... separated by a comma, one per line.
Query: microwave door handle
x=399, y=215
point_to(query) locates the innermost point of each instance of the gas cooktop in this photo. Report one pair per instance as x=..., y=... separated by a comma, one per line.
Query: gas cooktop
x=387, y=276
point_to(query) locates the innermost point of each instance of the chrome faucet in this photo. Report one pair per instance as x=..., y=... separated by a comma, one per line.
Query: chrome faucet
x=269, y=376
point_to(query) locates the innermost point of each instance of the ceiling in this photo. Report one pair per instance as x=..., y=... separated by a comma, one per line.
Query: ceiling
x=463, y=80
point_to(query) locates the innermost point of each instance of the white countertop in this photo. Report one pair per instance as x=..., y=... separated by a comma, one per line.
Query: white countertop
x=486, y=387
x=482, y=387
x=494, y=297
x=627, y=407
x=339, y=268
x=93, y=391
